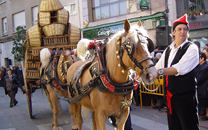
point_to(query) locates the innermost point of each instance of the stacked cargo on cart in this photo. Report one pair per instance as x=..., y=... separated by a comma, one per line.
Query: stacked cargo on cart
x=52, y=31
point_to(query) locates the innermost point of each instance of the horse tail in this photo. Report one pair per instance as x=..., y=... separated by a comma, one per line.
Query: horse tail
x=85, y=114
x=45, y=56
x=82, y=48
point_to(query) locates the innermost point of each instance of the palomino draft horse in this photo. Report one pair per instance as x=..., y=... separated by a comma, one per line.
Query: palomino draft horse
x=53, y=77
x=102, y=84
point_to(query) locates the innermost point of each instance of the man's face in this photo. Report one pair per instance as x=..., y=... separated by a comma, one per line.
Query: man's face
x=180, y=32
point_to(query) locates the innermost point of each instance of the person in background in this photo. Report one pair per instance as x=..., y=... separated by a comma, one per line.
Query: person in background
x=198, y=44
x=177, y=64
x=206, y=45
x=205, y=51
x=202, y=84
x=14, y=70
x=2, y=74
x=11, y=84
x=21, y=78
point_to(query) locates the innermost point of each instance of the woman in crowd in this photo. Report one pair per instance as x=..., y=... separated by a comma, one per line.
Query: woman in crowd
x=11, y=84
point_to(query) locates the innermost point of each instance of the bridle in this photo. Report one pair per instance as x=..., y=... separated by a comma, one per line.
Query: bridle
x=129, y=46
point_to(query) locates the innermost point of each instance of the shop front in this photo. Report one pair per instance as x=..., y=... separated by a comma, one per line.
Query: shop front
x=199, y=29
x=107, y=30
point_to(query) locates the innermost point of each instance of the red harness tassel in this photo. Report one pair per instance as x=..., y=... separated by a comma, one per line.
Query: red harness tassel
x=169, y=95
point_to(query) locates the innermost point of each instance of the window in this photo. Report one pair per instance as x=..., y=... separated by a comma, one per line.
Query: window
x=34, y=15
x=103, y=9
x=18, y=20
x=4, y=26
x=71, y=8
x=191, y=7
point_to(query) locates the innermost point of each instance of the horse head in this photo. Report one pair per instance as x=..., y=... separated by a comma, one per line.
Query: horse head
x=128, y=49
x=66, y=59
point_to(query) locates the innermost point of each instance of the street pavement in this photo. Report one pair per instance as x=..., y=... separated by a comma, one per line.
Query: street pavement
x=17, y=117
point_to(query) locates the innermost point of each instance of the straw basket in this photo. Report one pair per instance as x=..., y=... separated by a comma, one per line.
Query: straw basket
x=34, y=36
x=74, y=34
x=44, y=18
x=50, y=5
x=54, y=29
x=63, y=16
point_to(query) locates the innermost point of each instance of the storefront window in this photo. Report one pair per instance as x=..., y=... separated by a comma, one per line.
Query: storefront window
x=103, y=9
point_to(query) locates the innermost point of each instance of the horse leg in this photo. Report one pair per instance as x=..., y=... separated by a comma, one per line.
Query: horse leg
x=77, y=112
x=100, y=119
x=48, y=97
x=54, y=101
x=123, y=120
x=74, y=126
x=94, y=127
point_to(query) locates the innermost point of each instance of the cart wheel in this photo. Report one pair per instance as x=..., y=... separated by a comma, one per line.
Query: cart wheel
x=29, y=100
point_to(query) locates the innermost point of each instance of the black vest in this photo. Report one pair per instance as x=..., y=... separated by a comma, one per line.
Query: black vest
x=181, y=83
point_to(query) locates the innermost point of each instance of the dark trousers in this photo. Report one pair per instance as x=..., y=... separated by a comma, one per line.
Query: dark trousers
x=12, y=97
x=128, y=123
x=184, y=112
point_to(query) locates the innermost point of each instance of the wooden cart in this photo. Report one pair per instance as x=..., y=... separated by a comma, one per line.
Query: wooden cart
x=31, y=64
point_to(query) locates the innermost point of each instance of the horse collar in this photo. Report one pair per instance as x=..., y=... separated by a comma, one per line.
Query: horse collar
x=104, y=83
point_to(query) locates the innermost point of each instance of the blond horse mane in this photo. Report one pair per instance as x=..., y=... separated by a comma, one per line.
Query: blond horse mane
x=82, y=48
x=45, y=56
x=111, y=53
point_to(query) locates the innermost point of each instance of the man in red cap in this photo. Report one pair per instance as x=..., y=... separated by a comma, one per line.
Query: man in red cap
x=177, y=63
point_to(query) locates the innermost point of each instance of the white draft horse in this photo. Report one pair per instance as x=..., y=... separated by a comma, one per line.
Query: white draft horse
x=109, y=92
x=53, y=78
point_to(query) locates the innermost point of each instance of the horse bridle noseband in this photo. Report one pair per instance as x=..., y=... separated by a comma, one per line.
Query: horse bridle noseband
x=128, y=45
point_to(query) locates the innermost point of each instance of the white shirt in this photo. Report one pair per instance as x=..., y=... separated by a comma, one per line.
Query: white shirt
x=187, y=62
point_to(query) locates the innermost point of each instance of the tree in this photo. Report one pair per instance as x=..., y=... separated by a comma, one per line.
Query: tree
x=18, y=40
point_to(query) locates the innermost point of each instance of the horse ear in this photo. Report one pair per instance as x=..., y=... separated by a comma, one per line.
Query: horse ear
x=139, y=23
x=127, y=25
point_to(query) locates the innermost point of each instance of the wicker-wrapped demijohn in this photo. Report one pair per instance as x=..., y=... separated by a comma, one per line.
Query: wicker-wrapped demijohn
x=34, y=36
x=50, y=5
x=63, y=16
x=44, y=18
x=74, y=34
x=53, y=29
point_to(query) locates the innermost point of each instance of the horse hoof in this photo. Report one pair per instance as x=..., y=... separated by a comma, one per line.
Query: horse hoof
x=56, y=128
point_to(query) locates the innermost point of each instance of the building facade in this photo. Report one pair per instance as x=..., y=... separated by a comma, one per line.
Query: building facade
x=197, y=11
x=105, y=17
x=15, y=13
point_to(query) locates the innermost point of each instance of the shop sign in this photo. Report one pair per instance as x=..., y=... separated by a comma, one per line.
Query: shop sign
x=102, y=32
x=198, y=25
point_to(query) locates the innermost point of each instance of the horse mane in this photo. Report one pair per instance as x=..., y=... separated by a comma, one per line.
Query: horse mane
x=45, y=56
x=113, y=45
x=82, y=48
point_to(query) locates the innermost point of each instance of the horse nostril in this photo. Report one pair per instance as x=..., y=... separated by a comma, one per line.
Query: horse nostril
x=150, y=76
